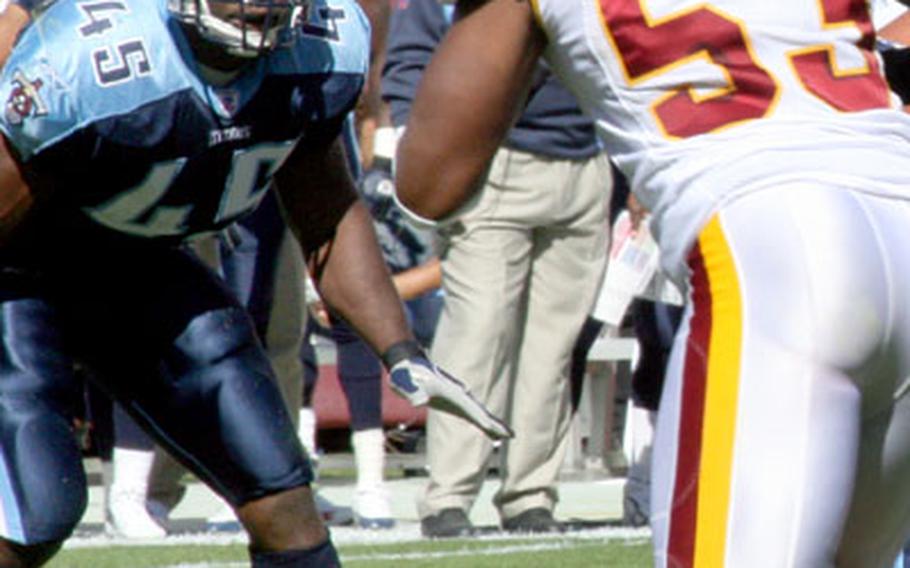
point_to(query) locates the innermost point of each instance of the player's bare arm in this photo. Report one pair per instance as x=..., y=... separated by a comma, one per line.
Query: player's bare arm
x=468, y=99
x=336, y=233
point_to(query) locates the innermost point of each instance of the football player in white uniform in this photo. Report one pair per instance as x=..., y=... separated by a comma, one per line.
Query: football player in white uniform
x=776, y=162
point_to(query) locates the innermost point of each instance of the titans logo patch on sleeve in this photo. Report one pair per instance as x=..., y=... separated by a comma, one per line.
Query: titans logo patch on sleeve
x=24, y=99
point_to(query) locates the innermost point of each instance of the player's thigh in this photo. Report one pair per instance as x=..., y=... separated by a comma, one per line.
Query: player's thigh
x=42, y=483
x=758, y=388
x=226, y=418
x=181, y=355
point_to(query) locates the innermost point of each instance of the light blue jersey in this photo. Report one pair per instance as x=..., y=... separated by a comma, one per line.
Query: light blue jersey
x=104, y=104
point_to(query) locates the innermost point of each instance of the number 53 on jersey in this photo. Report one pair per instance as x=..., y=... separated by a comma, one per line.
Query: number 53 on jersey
x=649, y=47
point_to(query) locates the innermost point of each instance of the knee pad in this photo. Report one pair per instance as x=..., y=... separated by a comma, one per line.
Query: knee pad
x=214, y=336
x=42, y=484
x=223, y=415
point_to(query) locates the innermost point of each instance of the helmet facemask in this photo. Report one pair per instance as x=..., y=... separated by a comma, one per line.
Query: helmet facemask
x=243, y=28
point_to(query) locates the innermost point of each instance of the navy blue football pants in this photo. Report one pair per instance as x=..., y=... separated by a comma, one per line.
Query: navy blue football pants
x=165, y=338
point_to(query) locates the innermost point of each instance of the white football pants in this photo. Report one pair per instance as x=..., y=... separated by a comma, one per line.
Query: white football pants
x=783, y=438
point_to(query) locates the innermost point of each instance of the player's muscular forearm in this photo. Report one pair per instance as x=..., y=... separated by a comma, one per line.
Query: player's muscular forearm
x=354, y=280
x=469, y=96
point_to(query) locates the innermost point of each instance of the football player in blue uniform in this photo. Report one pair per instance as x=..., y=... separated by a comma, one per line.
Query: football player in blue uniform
x=129, y=126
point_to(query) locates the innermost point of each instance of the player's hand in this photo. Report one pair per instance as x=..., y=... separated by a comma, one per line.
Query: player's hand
x=637, y=211
x=421, y=382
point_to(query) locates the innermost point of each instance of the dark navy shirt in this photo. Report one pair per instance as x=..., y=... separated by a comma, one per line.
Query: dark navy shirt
x=552, y=123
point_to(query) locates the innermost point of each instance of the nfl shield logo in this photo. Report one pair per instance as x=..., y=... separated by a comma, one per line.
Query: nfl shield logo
x=229, y=99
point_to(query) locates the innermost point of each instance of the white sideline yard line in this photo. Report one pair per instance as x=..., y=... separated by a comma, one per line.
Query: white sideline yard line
x=349, y=536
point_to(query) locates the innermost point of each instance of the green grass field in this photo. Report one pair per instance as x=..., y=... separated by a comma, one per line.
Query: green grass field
x=570, y=550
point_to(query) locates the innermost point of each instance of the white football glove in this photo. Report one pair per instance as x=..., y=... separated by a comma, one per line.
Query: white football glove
x=414, y=377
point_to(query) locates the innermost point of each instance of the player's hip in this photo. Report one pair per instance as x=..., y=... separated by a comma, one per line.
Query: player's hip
x=818, y=270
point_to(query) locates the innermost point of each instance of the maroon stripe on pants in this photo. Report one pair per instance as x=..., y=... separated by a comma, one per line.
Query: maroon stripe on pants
x=684, y=508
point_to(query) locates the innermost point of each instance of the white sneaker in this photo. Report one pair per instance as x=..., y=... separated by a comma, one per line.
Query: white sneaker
x=125, y=516
x=371, y=500
x=125, y=513
x=372, y=508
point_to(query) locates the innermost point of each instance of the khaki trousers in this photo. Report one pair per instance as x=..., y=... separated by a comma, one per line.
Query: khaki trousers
x=521, y=268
